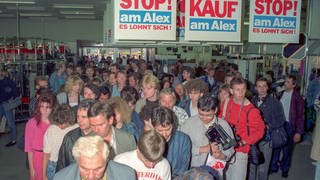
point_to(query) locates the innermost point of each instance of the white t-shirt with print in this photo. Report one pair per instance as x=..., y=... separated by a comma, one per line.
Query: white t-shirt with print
x=161, y=171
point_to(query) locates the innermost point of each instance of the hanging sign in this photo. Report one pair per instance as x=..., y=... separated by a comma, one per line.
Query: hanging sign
x=181, y=18
x=274, y=21
x=145, y=19
x=213, y=20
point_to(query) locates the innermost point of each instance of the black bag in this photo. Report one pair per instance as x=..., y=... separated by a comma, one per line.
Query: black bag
x=279, y=137
x=255, y=156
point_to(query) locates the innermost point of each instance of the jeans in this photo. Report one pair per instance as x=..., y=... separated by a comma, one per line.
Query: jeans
x=237, y=168
x=11, y=122
x=260, y=172
x=286, y=150
x=51, y=169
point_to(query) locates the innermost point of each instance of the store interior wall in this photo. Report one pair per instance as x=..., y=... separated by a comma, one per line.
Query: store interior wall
x=57, y=30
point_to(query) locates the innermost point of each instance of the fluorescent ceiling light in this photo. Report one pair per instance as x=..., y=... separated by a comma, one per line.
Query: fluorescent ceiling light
x=35, y=14
x=73, y=6
x=43, y=18
x=28, y=8
x=79, y=17
x=77, y=12
x=0, y=11
x=7, y=15
x=16, y=2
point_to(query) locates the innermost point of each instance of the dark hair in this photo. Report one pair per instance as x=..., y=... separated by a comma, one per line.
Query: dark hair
x=129, y=94
x=94, y=88
x=104, y=90
x=101, y=108
x=207, y=103
x=62, y=114
x=234, y=66
x=237, y=81
x=162, y=116
x=263, y=79
x=46, y=96
x=189, y=70
x=146, y=112
x=293, y=78
x=152, y=145
x=86, y=104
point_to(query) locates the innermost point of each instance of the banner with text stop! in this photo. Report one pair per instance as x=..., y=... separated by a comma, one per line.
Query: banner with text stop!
x=213, y=20
x=145, y=19
x=274, y=21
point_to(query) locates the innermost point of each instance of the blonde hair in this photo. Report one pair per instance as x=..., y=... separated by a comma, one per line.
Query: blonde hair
x=121, y=106
x=71, y=81
x=168, y=92
x=90, y=146
x=150, y=79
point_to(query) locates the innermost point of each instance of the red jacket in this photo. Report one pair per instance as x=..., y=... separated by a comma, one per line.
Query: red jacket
x=254, y=123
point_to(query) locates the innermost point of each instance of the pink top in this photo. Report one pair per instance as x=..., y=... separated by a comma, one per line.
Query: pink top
x=34, y=135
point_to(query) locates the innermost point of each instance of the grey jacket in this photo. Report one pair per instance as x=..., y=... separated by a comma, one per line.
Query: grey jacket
x=196, y=130
x=115, y=171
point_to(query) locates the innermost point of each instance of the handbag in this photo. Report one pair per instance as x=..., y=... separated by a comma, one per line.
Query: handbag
x=279, y=137
x=255, y=156
x=11, y=103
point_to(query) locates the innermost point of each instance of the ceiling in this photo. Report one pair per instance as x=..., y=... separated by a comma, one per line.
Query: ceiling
x=53, y=9
x=74, y=9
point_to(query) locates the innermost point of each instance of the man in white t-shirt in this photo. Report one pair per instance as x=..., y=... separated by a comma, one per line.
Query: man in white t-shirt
x=147, y=159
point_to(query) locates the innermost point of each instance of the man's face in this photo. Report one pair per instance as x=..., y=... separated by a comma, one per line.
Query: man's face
x=42, y=84
x=288, y=84
x=104, y=97
x=164, y=131
x=100, y=125
x=195, y=95
x=179, y=89
x=223, y=95
x=262, y=88
x=185, y=75
x=167, y=100
x=112, y=79
x=90, y=72
x=206, y=116
x=121, y=79
x=92, y=168
x=82, y=119
x=239, y=91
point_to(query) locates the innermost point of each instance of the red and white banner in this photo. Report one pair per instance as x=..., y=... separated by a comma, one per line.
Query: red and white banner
x=213, y=20
x=181, y=18
x=274, y=21
x=145, y=19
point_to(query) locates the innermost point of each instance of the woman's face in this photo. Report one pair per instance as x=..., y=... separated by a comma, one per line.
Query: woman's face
x=76, y=87
x=149, y=91
x=88, y=94
x=132, y=81
x=223, y=95
x=45, y=109
x=117, y=117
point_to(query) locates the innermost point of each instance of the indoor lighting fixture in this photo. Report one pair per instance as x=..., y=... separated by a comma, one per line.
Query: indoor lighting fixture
x=77, y=12
x=79, y=17
x=16, y=2
x=73, y=6
x=35, y=14
x=28, y=8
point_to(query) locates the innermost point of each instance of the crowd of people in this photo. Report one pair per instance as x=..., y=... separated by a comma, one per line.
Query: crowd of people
x=134, y=121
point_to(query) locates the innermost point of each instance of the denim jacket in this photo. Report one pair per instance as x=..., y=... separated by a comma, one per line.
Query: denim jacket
x=178, y=152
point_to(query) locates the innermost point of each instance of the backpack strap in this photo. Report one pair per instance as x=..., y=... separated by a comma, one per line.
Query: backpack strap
x=225, y=105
